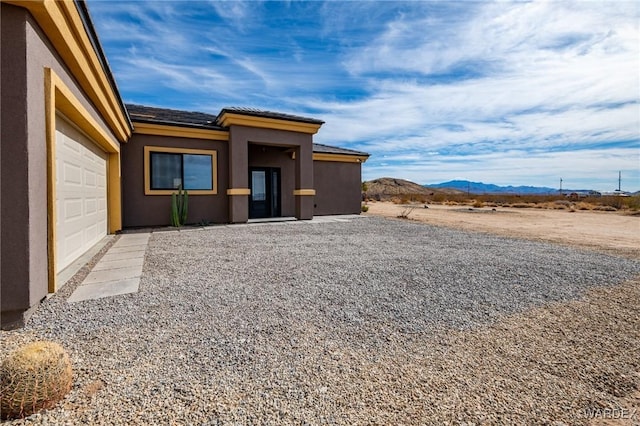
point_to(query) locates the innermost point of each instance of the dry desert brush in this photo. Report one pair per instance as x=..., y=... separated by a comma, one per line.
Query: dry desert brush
x=34, y=377
x=406, y=211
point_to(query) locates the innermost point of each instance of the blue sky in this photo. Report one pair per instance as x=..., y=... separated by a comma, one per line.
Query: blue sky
x=520, y=93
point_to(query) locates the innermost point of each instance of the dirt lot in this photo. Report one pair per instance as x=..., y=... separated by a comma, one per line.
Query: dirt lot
x=613, y=232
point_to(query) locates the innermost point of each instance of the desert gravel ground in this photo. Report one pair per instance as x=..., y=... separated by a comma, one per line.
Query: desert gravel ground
x=617, y=233
x=371, y=321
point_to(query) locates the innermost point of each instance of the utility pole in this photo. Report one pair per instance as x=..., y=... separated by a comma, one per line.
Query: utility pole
x=619, y=180
x=560, y=186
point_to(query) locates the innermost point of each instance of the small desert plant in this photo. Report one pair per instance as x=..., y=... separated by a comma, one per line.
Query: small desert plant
x=364, y=208
x=179, y=204
x=584, y=206
x=438, y=198
x=406, y=211
x=34, y=377
x=634, y=203
x=605, y=208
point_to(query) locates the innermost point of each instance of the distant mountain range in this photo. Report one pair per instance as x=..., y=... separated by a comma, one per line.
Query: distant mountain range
x=389, y=188
x=487, y=188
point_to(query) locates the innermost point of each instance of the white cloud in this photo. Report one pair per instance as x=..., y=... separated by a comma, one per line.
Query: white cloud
x=598, y=169
x=499, y=90
x=553, y=79
x=238, y=13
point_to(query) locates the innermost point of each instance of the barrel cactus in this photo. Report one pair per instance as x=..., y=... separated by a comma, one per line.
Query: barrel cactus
x=34, y=377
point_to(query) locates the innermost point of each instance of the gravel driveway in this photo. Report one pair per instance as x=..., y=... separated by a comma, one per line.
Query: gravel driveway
x=371, y=321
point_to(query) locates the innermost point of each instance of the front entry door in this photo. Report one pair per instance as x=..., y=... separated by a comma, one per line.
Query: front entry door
x=265, y=192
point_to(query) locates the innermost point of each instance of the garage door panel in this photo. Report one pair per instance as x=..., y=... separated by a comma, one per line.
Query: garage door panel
x=72, y=209
x=93, y=153
x=90, y=179
x=91, y=232
x=69, y=144
x=72, y=174
x=80, y=193
x=72, y=245
x=95, y=231
x=91, y=206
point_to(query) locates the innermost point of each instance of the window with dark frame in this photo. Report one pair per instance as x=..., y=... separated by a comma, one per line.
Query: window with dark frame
x=171, y=170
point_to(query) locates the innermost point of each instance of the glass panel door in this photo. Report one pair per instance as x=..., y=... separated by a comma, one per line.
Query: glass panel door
x=275, y=192
x=258, y=205
x=258, y=185
x=265, y=192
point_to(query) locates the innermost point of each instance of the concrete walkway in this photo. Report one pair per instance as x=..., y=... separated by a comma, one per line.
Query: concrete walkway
x=117, y=272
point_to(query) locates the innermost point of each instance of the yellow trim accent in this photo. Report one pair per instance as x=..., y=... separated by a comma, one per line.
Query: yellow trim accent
x=70, y=106
x=238, y=191
x=50, y=136
x=304, y=192
x=61, y=22
x=343, y=158
x=147, y=170
x=58, y=97
x=230, y=119
x=180, y=132
x=114, y=195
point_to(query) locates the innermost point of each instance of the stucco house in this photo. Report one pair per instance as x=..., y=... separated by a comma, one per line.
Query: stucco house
x=76, y=163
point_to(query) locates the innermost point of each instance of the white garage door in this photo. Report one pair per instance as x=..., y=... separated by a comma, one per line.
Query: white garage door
x=81, y=193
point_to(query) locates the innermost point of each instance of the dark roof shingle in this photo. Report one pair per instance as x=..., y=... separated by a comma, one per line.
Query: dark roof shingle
x=191, y=118
x=147, y=114
x=328, y=149
x=269, y=114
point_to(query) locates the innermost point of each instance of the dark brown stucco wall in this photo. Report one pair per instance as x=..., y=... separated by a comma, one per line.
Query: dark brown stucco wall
x=300, y=143
x=139, y=209
x=14, y=235
x=338, y=187
x=238, y=177
x=25, y=54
